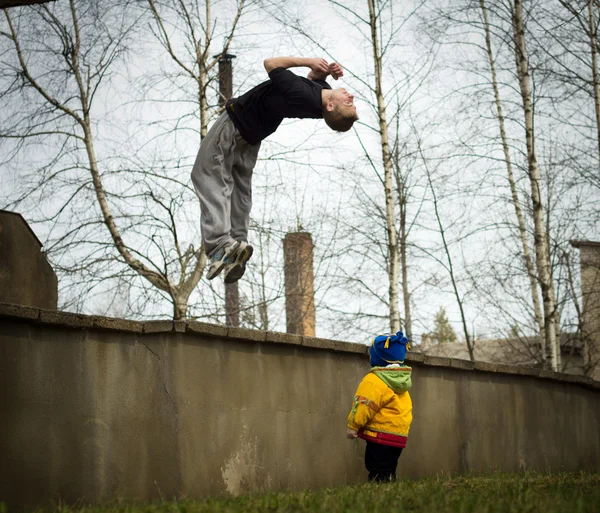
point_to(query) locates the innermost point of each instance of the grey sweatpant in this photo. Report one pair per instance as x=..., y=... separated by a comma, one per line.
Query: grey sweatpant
x=222, y=177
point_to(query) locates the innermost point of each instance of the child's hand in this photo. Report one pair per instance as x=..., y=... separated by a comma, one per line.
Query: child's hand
x=335, y=70
x=351, y=434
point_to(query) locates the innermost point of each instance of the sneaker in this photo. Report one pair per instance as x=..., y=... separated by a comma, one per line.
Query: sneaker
x=220, y=259
x=235, y=269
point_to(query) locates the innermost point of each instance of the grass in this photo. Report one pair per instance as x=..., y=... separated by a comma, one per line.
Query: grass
x=511, y=493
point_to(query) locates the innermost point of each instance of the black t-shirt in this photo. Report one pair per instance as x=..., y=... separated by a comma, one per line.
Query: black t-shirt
x=259, y=112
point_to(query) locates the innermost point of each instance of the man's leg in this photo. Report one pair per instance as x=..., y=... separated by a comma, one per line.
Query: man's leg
x=241, y=204
x=241, y=198
x=211, y=176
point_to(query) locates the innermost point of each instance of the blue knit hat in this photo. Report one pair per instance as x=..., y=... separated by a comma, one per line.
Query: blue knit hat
x=387, y=349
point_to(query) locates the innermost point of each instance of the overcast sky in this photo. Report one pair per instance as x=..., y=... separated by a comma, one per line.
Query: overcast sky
x=324, y=182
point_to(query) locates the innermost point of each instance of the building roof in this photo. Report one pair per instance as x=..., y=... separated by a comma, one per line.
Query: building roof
x=515, y=351
x=16, y=3
x=8, y=212
x=580, y=243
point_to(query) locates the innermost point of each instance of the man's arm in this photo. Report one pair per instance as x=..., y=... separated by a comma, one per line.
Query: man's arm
x=334, y=69
x=316, y=65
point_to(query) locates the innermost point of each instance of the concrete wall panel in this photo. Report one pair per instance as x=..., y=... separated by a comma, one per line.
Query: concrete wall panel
x=98, y=414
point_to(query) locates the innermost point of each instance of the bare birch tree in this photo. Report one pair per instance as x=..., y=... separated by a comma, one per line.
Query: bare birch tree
x=540, y=234
x=390, y=215
x=593, y=35
x=84, y=42
x=511, y=180
x=541, y=210
x=402, y=188
x=198, y=47
x=190, y=34
x=576, y=66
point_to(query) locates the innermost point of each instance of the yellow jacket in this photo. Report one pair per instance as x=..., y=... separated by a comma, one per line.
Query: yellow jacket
x=382, y=408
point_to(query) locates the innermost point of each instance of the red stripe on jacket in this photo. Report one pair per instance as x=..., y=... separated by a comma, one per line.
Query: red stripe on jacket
x=384, y=438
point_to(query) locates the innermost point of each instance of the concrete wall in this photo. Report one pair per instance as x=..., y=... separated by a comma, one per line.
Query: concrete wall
x=26, y=277
x=96, y=409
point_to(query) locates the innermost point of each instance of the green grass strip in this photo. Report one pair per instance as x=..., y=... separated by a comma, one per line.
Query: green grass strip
x=573, y=492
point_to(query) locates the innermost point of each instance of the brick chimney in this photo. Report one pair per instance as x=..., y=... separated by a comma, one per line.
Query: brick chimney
x=299, y=283
x=232, y=293
x=225, y=77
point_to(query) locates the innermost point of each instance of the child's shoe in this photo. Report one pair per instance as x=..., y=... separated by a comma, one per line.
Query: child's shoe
x=236, y=268
x=221, y=258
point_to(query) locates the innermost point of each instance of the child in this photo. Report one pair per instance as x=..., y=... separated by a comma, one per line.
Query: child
x=222, y=173
x=382, y=409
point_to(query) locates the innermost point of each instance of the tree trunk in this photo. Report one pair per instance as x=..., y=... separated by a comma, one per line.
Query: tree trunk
x=402, y=200
x=403, y=264
x=387, y=166
x=513, y=188
x=203, y=104
x=202, y=73
x=180, y=307
x=594, y=50
x=541, y=242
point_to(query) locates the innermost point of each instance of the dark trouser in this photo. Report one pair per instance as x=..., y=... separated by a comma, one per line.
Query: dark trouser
x=381, y=461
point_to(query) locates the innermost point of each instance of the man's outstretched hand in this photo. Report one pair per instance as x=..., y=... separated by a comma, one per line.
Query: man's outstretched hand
x=319, y=67
x=335, y=70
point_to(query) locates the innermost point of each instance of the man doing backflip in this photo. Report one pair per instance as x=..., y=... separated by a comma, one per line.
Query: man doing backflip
x=222, y=173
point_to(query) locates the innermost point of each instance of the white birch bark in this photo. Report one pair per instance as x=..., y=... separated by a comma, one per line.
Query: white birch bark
x=403, y=236
x=541, y=242
x=595, y=80
x=513, y=188
x=404, y=267
x=393, y=267
x=191, y=263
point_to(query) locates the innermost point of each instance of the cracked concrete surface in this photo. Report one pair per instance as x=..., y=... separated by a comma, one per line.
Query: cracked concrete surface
x=148, y=348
